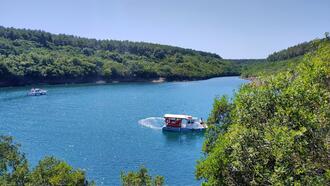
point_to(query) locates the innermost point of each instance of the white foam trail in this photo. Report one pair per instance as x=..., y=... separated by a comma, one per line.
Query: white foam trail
x=156, y=123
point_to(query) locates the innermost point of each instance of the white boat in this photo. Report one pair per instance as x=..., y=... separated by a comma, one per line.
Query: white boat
x=37, y=92
x=182, y=123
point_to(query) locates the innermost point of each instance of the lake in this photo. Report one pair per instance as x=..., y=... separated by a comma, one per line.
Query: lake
x=96, y=127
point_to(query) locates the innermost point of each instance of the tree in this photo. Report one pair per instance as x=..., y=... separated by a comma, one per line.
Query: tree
x=159, y=181
x=13, y=164
x=278, y=132
x=218, y=121
x=326, y=35
x=50, y=171
x=141, y=178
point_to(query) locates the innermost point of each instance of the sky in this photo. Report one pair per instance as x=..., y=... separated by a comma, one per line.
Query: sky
x=233, y=29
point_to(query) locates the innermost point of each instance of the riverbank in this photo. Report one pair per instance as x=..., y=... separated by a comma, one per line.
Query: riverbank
x=100, y=81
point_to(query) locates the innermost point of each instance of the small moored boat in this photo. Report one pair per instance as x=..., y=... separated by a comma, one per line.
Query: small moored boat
x=37, y=92
x=182, y=123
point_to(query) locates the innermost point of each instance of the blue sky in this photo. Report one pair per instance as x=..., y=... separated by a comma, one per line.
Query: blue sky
x=230, y=28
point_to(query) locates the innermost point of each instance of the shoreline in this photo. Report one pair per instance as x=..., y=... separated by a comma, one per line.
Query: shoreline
x=114, y=81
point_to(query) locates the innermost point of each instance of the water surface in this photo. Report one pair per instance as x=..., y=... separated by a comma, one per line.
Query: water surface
x=96, y=128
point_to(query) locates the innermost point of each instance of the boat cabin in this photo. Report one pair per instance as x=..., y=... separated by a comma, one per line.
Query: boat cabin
x=37, y=92
x=177, y=120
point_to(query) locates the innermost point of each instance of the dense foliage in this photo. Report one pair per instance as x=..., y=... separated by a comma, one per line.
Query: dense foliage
x=31, y=56
x=276, y=130
x=294, y=51
x=141, y=178
x=14, y=169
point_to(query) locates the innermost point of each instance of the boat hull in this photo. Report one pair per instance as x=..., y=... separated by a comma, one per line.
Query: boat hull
x=178, y=129
x=37, y=94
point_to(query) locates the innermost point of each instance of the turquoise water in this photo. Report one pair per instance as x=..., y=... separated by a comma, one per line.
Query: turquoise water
x=96, y=127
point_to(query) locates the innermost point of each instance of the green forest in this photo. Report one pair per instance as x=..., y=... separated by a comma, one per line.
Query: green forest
x=35, y=57
x=32, y=56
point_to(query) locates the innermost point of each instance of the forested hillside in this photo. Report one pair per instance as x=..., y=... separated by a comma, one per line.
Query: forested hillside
x=294, y=51
x=275, y=131
x=278, y=61
x=31, y=56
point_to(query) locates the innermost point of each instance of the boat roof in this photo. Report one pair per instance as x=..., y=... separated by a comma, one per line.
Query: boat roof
x=180, y=116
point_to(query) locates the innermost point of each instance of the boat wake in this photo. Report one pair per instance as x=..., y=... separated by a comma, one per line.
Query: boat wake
x=156, y=123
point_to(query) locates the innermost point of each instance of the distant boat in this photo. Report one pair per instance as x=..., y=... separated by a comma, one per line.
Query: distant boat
x=37, y=92
x=182, y=123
